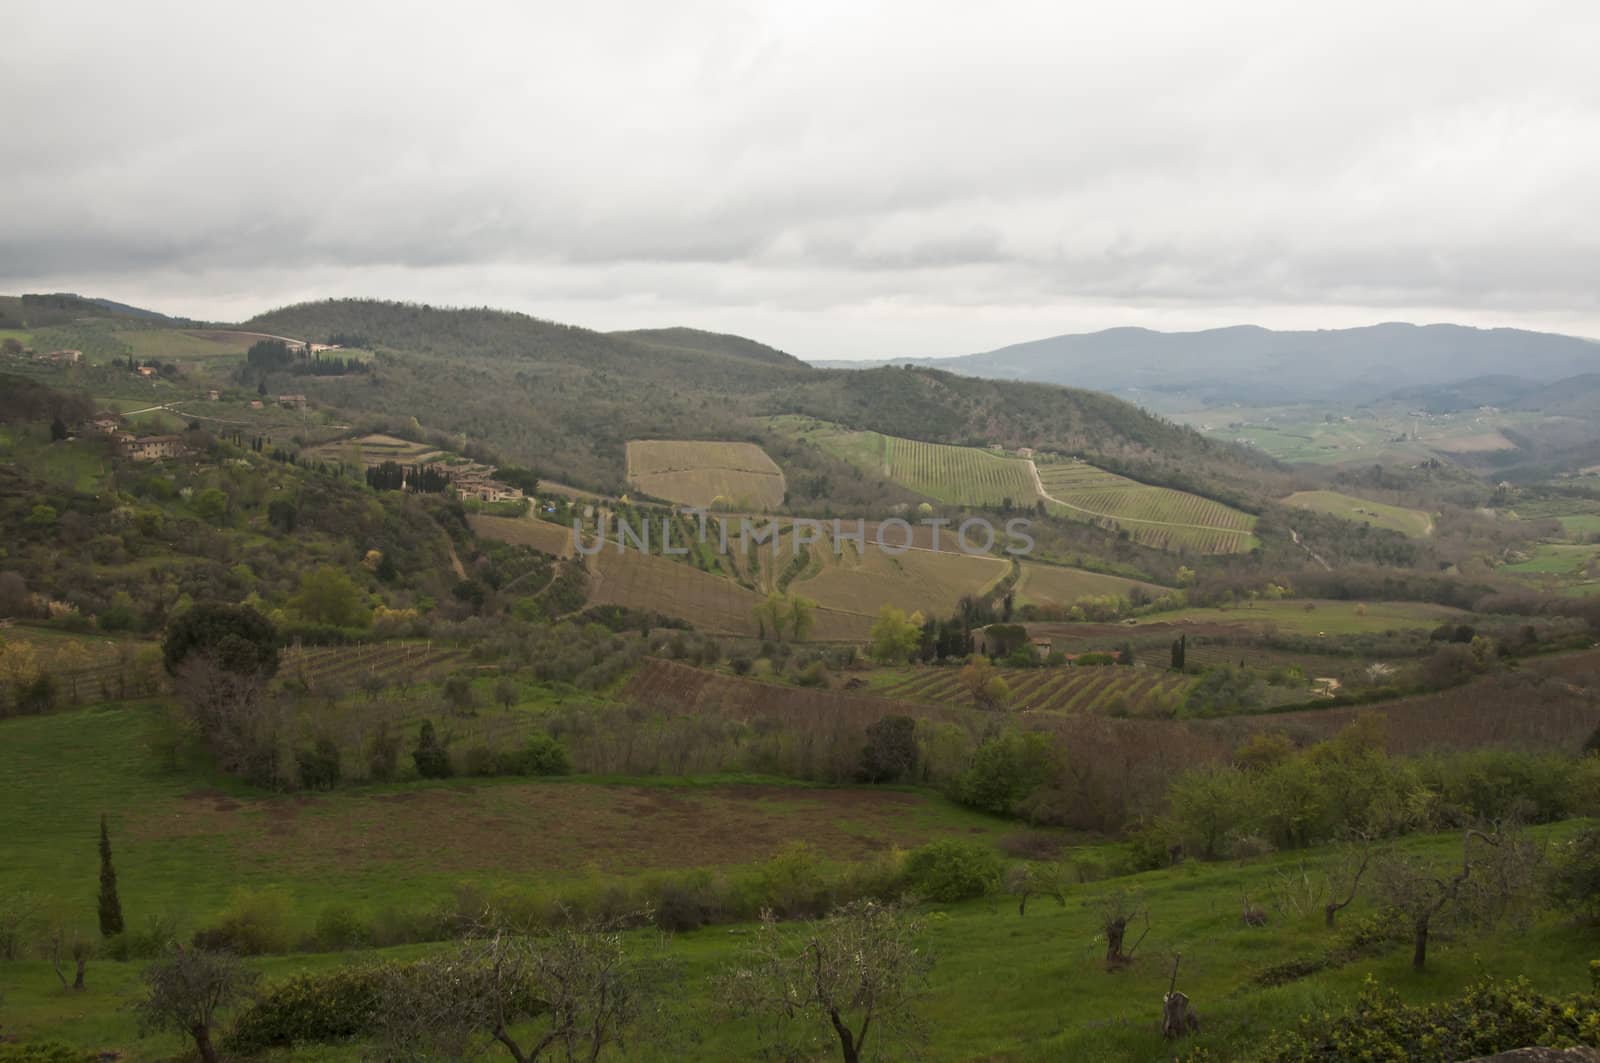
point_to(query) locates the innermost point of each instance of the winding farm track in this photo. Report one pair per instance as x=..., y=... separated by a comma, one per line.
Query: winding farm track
x=1038, y=485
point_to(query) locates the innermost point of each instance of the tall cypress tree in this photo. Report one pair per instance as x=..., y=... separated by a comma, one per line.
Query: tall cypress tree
x=110, y=905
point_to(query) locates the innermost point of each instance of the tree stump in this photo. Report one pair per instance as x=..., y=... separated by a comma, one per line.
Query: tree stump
x=1176, y=1018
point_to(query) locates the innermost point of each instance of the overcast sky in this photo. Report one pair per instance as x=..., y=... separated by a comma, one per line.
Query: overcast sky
x=837, y=179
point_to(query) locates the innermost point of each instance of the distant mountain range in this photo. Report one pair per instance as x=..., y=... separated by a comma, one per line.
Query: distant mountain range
x=1249, y=364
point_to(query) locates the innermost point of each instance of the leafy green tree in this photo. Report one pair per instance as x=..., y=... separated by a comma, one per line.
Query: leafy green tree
x=238, y=638
x=891, y=750
x=895, y=636
x=1208, y=803
x=430, y=756
x=211, y=505
x=1005, y=770
x=328, y=595
x=110, y=905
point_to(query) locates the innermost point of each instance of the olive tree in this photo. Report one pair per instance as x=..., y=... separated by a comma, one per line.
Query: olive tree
x=187, y=988
x=851, y=976
x=571, y=993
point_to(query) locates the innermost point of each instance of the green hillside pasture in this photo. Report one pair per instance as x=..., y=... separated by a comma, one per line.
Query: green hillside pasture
x=80, y=465
x=177, y=345
x=1413, y=522
x=1056, y=585
x=706, y=473
x=1004, y=987
x=1158, y=517
x=185, y=841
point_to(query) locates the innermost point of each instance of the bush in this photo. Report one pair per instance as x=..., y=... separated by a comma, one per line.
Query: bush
x=335, y=1006
x=953, y=870
x=256, y=922
x=480, y=760
x=430, y=756
x=1575, y=876
x=1490, y=1018
x=542, y=755
x=339, y=927
x=319, y=765
x=150, y=940
x=791, y=884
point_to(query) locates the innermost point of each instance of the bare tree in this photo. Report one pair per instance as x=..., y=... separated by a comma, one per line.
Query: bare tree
x=577, y=986
x=851, y=975
x=1485, y=889
x=185, y=990
x=1176, y=1018
x=1117, y=909
x=1029, y=880
x=1353, y=866
x=81, y=951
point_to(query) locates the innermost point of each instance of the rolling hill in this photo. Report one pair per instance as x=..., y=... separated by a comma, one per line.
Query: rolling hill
x=1249, y=364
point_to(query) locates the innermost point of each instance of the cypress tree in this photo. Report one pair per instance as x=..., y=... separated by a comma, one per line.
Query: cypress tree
x=110, y=905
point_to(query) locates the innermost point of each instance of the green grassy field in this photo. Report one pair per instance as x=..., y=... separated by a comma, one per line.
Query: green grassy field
x=176, y=345
x=1003, y=987
x=1412, y=522
x=187, y=839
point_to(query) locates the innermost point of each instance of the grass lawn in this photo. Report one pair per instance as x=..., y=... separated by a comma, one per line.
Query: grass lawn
x=1320, y=616
x=1413, y=522
x=1004, y=986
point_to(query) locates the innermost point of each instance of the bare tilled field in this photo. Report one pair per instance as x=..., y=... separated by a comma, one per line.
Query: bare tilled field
x=708, y=474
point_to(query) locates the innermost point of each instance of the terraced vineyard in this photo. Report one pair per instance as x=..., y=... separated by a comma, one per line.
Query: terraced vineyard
x=958, y=475
x=396, y=661
x=1159, y=517
x=1107, y=690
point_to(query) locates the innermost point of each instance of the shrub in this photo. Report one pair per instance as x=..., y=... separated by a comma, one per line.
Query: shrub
x=319, y=765
x=792, y=883
x=152, y=939
x=1575, y=876
x=1490, y=1018
x=334, y=1006
x=542, y=755
x=255, y=922
x=480, y=760
x=339, y=927
x=430, y=756
x=953, y=870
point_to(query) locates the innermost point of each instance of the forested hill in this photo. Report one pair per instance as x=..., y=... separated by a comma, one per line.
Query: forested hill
x=936, y=406
x=1250, y=364
x=691, y=339
x=566, y=399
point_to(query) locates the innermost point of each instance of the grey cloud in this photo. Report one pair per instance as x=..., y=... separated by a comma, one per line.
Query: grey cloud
x=840, y=179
